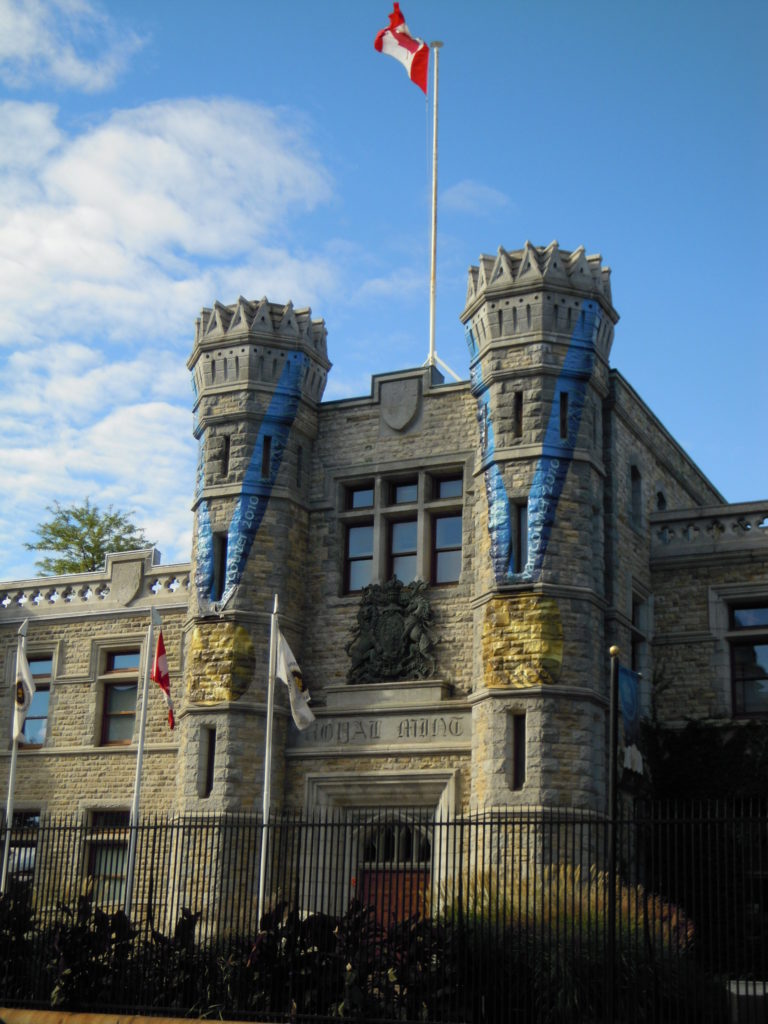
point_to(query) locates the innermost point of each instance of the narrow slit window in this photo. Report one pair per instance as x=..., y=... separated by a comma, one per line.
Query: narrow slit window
x=517, y=413
x=225, y=450
x=564, y=414
x=209, y=760
x=219, y=565
x=266, y=456
x=518, y=751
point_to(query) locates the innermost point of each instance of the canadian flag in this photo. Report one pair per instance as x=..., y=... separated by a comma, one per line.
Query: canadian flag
x=160, y=676
x=397, y=42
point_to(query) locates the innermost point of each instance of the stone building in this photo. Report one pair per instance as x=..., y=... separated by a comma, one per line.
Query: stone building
x=547, y=511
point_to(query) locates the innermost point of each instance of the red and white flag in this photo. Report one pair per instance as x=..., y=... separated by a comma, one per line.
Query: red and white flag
x=397, y=42
x=160, y=676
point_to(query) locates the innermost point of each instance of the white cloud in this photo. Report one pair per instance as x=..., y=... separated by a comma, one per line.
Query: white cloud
x=473, y=197
x=68, y=42
x=111, y=240
x=119, y=229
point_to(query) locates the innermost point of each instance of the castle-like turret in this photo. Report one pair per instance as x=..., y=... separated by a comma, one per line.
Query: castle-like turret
x=539, y=324
x=259, y=371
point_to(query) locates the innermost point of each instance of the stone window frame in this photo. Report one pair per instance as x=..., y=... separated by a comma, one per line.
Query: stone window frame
x=722, y=598
x=386, y=510
x=43, y=684
x=105, y=834
x=100, y=652
x=24, y=837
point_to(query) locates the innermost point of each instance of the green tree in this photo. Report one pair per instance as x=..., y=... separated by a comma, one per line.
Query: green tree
x=82, y=535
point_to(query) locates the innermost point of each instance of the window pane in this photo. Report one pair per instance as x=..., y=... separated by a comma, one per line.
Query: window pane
x=34, y=730
x=447, y=566
x=121, y=698
x=404, y=536
x=122, y=661
x=404, y=567
x=406, y=492
x=749, y=618
x=108, y=869
x=360, y=497
x=120, y=729
x=450, y=488
x=360, y=541
x=448, y=532
x=750, y=678
x=360, y=574
x=42, y=666
x=39, y=706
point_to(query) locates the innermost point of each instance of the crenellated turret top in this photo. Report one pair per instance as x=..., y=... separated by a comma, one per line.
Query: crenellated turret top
x=536, y=266
x=263, y=322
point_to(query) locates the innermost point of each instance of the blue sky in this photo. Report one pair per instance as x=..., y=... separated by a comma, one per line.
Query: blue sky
x=156, y=157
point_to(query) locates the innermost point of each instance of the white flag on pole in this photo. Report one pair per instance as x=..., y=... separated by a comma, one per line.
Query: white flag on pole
x=25, y=690
x=288, y=672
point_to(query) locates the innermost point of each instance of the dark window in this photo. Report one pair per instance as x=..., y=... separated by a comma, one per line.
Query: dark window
x=636, y=494
x=518, y=751
x=219, y=565
x=520, y=538
x=563, y=414
x=387, y=522
x=446, y=549
x=517, y=414
x=637, y=635
x=359, y=557
x=108, y=856
x=208, y=739
x=749, y=659
x=405, y=492
x=450, y=487
x=402, y=546
x=360, y=497
x=266, y=456
x=225, y=453
x=119, y=711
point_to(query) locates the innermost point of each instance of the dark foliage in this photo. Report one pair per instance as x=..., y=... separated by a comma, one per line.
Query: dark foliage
x=328, y=968
x=704, y=761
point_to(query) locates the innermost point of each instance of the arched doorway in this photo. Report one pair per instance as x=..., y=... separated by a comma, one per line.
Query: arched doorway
x=394, y=872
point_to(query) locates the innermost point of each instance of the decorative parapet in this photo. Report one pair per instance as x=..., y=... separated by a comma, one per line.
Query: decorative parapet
x=718, y=529
x=129, y=579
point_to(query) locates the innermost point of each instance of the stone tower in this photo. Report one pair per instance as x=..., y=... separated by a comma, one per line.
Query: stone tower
x=539, y=324
x=259, y=370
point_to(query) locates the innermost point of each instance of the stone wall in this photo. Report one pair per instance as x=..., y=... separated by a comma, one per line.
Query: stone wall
x=77, y=620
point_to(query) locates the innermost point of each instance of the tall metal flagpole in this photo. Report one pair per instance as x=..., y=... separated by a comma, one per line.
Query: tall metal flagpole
x=21, y=646
x=154, y=620
x=433, y=356
x=267, y=790
x=613, y=806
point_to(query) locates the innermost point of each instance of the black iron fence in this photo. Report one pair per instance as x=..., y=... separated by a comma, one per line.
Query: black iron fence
x=393, y=915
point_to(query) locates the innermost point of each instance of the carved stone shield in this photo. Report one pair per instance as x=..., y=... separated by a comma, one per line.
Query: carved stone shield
x=400, y=402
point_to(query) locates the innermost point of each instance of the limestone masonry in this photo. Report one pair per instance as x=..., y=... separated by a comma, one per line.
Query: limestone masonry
x=546, y=509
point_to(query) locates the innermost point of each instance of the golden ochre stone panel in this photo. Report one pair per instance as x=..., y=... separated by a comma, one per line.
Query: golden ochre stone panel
x=220, y=663
x=522, y=641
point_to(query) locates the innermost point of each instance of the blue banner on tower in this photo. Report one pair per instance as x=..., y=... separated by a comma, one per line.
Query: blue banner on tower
x=558, y=446
x=258, y=481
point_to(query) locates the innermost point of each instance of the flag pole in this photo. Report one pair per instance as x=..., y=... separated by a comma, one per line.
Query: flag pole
x=21, y=646
x=267, y=789
x=433, y=357
x=613, y=804
x=154, y=620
